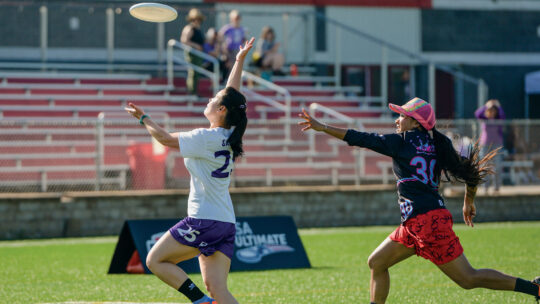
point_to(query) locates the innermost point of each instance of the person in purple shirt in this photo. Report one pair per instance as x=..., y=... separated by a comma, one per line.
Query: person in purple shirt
x=211, y=47
x=232, y=36
x=492, y=136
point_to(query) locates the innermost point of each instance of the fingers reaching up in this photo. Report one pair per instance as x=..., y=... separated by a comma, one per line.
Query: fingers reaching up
x=310, y=122
x=134, y=110
x=245, y=49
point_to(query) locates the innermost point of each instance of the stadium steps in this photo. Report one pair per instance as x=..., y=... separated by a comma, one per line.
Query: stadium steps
x=36, y=97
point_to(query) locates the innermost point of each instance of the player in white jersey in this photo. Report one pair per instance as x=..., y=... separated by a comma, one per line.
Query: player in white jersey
x=209, y=229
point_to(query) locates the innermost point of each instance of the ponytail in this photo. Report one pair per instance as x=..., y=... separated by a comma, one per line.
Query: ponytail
x=471, y=170
x=235, y=102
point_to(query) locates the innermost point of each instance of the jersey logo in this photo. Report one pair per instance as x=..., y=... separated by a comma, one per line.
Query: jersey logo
x=406, y=207
x=424, y=148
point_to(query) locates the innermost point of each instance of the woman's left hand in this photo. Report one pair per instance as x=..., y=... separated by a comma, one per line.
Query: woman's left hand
x=245, y=49
x=469, y=212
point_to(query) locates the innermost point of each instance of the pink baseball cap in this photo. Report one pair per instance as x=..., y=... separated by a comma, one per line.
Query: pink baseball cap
x=418, y=109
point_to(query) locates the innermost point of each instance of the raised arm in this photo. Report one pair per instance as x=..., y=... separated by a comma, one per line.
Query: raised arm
x=161, y=135
x=314, y=124
x=479, y=113
x=235, y=77
x=389, y=144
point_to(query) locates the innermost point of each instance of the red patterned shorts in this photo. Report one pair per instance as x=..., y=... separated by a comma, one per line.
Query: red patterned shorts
x=431, y=236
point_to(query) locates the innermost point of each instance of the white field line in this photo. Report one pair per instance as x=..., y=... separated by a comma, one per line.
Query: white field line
x=107, y=303
x=71, y=241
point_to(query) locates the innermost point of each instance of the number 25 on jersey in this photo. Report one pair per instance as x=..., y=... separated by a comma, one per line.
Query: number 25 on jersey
x=220, y=172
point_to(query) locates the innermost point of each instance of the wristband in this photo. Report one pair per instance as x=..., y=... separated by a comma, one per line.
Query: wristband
x=142, y=118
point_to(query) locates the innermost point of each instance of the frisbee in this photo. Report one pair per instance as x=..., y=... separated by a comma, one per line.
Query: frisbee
x=153, y=12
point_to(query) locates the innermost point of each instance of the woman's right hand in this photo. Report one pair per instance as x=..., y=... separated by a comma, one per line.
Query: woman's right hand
x=493, y=103
x=310, y=122
x=245, y=49
x=134, y=110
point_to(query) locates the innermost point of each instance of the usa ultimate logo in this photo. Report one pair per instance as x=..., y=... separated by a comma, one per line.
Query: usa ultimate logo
x=251, y=247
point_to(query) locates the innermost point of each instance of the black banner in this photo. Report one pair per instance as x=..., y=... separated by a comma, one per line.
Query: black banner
x=266, y=242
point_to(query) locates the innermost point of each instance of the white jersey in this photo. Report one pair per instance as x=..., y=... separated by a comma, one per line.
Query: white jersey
x=209, y=160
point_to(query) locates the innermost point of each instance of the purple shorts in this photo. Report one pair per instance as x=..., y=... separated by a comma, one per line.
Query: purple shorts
x=208, y=236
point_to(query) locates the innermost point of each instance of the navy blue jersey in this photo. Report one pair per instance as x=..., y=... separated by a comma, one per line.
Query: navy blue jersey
x=414, y=164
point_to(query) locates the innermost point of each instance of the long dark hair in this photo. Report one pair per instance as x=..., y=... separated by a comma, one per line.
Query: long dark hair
x=235, y=102
x=471, y=170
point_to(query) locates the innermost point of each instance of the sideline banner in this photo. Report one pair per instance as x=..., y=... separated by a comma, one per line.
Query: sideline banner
x=266, y=242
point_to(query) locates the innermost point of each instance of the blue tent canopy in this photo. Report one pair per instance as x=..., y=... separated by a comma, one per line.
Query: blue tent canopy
x=532, y=86
x=532, y=83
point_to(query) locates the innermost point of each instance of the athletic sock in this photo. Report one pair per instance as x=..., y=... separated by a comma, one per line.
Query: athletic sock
x=527, y=287
x=190, y=290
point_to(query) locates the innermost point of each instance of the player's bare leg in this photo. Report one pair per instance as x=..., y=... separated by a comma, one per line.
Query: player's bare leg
x=214, y=270
x=383, y=257
x=162, y=260
x=164, y=256
x=467, y=277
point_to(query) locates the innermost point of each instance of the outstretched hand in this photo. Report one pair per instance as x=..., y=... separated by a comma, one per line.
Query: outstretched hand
x=245, y=49
x=310, y=122
x=134, y=110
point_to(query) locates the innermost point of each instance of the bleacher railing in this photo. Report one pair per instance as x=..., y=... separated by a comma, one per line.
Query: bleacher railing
x=111, y=56
x=351, y=123
x=171, y=60
x=87, y=155
x=286, y=108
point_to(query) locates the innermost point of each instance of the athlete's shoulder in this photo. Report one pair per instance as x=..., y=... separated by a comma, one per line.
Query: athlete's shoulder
x=215, y=134
x=398, y=136
x=216, y=131
x=393, y=137
x=194, y=132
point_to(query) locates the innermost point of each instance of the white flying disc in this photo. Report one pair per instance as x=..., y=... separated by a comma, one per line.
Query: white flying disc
x=153, y=12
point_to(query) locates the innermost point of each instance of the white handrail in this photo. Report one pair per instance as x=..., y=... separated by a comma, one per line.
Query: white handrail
x=214, y=76
x=359, y=155
x=279, y=89
x=330, y=111
x=265, y=99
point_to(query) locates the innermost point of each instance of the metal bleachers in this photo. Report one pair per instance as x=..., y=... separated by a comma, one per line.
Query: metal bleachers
x=52, y=136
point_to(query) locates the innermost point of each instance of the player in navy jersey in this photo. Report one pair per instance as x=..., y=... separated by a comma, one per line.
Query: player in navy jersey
x=420, y=155
x=209, y=229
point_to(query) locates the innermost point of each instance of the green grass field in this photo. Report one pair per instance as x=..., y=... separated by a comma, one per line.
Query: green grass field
x=63, y=270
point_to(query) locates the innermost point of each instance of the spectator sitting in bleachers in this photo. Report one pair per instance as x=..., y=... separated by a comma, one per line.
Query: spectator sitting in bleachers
x=266, y=55
x=211, y=47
